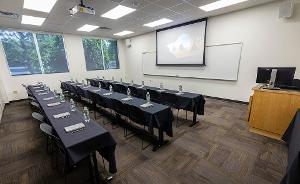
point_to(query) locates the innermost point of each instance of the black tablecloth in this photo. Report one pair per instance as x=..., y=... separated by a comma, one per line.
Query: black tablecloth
x=187, y=101
x=292, y=138
x=159, y=116
x=79, y=144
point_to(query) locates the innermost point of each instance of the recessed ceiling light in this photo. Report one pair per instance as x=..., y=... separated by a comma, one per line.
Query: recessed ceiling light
x=158, y=22
x=117, y=12
x=220, y=4
x=123, y=33
x=37, y=21
x=39, y=5
x=87, y=28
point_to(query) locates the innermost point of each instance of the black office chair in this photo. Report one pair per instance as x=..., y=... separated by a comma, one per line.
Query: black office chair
x=121, y=109
x=120, y=88
x=133, y=91
x=154, y=95
x=38, y=117
x=35, y=106
x=103, y=85
x=137, y=115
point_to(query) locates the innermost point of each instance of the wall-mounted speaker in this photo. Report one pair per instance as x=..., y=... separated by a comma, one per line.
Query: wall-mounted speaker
x=286, y=9
x=128, y=43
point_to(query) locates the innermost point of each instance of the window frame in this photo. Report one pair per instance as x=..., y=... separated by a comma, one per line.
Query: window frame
x=36, y=45
x=104, y=67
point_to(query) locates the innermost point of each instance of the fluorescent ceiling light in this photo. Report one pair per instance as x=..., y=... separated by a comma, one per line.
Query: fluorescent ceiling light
x=158, y=22
x=117, y=12
x=37, y=21
x=123, y=33
x=39, y=5
x=87, y=28
x=220, y=4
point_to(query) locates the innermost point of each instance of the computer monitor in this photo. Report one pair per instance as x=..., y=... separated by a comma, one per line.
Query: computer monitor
x=284, y=75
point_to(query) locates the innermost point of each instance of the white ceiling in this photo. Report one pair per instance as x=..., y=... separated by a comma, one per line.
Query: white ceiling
x=59, y=20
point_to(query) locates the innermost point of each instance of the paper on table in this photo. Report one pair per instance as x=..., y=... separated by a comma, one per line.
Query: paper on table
x=126, y=99
x=179, y=93
x=161, y=90
x=53, y=104
x=40, y=90
x=61, y=115
x=49, y=98
x=96, y=90
x=42, y=93
x=147, y=105
x=75, y=127
x=107, y=94
x=86, y=86
x=140, y=87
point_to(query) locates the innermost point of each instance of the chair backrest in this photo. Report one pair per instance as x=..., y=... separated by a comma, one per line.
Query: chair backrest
x=119, y=107
x=154, y=95
x=38, y=117
x=104, y=85
x=99, y=100
x=48, y=130
x=133, y=91
x=136, y=114
x=34, y=104
x=120, y=88
x=169, y=99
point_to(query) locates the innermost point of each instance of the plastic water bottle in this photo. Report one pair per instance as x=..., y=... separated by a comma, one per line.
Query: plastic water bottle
x=72, y=105
x=103, y=78
x=97, y=76
x=143, y=83
x=86, y=114
x=161, y=86
x=128, y=93
x=131, y=82
x=100, y=86
x=148, y=97
x=180, y=88
x=62, y=98
x=55, y=93
x=113, y=79
x=121, y=80
x=110, y=88
x=82, y=82
x=76, y=81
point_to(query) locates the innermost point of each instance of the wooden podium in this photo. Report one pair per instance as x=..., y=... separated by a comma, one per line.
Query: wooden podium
x=271, y=111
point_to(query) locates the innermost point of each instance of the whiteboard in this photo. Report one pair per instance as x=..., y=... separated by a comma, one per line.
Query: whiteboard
x=222, y=63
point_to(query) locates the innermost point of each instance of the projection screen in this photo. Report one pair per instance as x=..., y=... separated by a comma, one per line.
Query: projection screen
x=182, y=44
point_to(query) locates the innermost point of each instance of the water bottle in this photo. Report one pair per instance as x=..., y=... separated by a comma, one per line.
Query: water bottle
x=148, y=97
x=180, y=88
x=76, y=81
x=121, y=80
x=113, y=79
x=103, y=78
x=128, y=93
x=86, y=114
x=143, y=83
x=110, y=88
x=100, y=86
x=62, y=98
x=97, y=76
x=72, y=105
x=132, y=82
x=55, y=93
x=82, y=82
x=161, y=86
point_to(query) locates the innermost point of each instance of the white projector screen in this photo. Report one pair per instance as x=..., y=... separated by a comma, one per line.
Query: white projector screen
x=182, y=44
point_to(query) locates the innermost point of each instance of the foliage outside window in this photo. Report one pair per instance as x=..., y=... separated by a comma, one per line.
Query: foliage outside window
x=100, y=54
x=30, y=53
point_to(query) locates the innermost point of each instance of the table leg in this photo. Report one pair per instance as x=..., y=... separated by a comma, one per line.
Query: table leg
x=194, y=117
x=96, y=171
x=160, y=141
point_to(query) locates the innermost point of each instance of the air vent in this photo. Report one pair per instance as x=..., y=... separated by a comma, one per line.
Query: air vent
x=9, y=15
x=104, y=28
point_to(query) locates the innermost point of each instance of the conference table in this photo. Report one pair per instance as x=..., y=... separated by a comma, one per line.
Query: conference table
x=188, y=101
x=78, y=144
x=157, y=116
x=292, y=137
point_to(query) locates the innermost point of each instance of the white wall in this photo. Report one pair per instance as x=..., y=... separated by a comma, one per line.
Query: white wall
x=75, y=57
x=267, y=41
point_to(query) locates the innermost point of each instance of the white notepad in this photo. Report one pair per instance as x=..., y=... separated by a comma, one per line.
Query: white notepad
x=79, y=85
x=107, y=94
x=75, y=127
x=37, y=87
x=97, y=90
x=61, y=115
x=140, y=87
x=179, y=93
x=43, y=93
x=126, y=99
x=147, y=105
x=49, y=98
x=53, y=104
x=40, y=90
x=86, y=87
x=161, y=90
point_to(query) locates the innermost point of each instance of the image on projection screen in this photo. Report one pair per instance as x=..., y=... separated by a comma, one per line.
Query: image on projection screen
x=182, y=45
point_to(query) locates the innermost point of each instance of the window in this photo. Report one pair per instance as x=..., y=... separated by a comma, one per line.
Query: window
x=100, y=54
x=30, y=53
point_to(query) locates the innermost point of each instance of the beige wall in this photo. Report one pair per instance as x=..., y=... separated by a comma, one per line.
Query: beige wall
x=267, y=41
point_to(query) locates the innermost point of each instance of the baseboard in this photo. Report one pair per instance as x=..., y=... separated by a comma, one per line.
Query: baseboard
x=225, y=99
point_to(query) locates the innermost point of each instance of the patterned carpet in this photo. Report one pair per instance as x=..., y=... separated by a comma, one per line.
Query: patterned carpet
x=217, y=150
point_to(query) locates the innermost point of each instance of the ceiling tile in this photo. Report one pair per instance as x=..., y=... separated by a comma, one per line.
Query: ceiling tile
x=152, y=9
x=136, y=4
x=168, y=3
x=182, y=7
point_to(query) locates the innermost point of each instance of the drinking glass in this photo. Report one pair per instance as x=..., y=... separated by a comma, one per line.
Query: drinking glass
x=86, y=114
x=72, y=105
x=148, y=97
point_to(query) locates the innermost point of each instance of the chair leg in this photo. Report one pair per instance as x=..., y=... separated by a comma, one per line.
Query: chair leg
x=177, y=118
x=186, y=115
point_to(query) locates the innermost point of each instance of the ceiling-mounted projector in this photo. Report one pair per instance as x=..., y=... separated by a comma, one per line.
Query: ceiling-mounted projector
x=81, y=9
